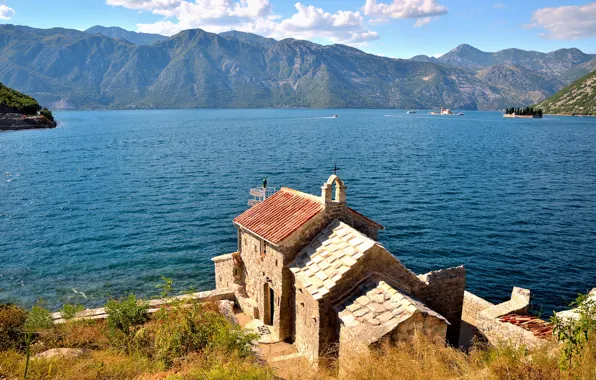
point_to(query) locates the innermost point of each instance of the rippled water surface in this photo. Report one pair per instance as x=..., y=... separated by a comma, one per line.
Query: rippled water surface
x=110, y=201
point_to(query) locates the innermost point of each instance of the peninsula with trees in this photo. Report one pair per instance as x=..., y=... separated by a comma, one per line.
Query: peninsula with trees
x=19, y=111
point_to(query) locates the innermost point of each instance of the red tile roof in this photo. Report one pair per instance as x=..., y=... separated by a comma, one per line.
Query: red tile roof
x=280, y=215
x=536, y=326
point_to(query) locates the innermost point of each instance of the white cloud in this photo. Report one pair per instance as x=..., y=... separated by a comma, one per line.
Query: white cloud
x=422, y=21
x=6, y=13
x=254, y=16
x=311, y=22
x=423, y=10
x=567, y=22
x=499, y=6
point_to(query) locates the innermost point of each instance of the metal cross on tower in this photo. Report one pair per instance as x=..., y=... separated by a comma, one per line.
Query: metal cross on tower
x=335, y=169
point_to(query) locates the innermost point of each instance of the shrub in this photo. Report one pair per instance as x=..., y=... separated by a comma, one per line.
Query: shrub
x=575, y=333
x=187, y=328
x=47, y=114
x=38, y=318
x=127, y=314
x=12, y=320
x=69, y=311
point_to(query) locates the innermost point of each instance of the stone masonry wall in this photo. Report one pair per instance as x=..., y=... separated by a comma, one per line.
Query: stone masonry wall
x=443, y=292
x=224, y=271
x=352, y=352
x=307, y=324
x=472, y=307
x=495, y=331
x=263, y=269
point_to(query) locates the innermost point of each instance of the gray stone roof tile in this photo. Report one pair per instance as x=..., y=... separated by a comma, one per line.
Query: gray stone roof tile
x=375, y=308
x=331, y=254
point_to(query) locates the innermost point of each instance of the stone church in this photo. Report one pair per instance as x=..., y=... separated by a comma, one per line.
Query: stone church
x=312, y=270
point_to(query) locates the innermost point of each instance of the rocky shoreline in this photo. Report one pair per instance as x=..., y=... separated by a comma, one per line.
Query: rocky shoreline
x=17, y=122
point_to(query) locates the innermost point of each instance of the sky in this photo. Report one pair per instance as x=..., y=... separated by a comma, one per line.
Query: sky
x=392, y=28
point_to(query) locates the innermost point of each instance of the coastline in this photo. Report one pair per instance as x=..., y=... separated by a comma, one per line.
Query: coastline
x=19, y=122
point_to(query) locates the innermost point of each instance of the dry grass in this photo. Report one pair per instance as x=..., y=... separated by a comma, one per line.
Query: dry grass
x=421, y=359
x=194, y=342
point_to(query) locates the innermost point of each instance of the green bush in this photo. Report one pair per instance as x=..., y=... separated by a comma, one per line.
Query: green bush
x=47, y=114
x=12, y=320
x=38, y=318
x=576, y=333
x=69, y=311
x=187, y=328
x=21, y=102
x=126, y=315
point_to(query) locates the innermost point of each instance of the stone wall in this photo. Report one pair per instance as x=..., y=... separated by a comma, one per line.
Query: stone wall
x=263, y=269
x=352, y=352
x=472, y=307
x=307, y=322
x=425, y=324
x=443, y=292
x=495, y=331
x=224, y=271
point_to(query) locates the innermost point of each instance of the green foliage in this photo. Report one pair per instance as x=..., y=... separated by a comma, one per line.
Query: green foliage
x=166, y=287
x=20, y=102
x=187, y=328
x=38, y=318
x=47, y=114
x=69, y=311
x=12, y=320
x=126, y=315
x=527, y=111
x=579, y=98
x=575, y=333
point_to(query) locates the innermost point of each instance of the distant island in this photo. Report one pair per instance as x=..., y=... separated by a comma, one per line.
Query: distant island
x=577, y=99
x=19, y=111
x=523, y=113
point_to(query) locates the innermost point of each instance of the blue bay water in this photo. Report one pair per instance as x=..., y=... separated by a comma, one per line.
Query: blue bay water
x=109, y=202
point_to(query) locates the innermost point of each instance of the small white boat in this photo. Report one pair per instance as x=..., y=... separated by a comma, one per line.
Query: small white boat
x=411, y=112
x=335, y=116
x=460, y=114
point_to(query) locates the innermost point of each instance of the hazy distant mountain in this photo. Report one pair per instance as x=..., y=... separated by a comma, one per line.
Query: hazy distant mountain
x=73, y=69
x=525, y=84
x=562, y=64
x=577, y=99
x=122, y=34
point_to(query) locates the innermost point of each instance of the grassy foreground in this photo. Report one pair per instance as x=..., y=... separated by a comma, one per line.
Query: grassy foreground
x=194, y=341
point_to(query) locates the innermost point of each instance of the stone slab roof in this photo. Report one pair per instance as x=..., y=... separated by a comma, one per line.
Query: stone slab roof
x=280, y=215
x=376, y=308
x=322, y=263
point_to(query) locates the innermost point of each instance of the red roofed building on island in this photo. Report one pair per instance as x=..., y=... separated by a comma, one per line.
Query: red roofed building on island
x=311, y=269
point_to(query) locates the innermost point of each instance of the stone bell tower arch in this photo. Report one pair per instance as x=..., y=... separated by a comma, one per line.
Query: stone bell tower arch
x=334, y=203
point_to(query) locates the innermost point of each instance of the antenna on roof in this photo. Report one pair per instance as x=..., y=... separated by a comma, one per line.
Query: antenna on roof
x=260, y=194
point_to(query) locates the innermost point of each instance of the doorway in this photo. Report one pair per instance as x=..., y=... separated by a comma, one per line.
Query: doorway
x=269, y=306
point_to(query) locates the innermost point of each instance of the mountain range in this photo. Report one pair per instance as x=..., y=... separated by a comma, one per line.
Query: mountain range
x=125, y=35
x=65, y=68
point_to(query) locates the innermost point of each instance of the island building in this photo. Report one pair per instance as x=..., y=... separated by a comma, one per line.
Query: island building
x=311, y=269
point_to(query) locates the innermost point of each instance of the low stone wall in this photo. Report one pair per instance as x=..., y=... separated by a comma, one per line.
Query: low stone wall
x=472, y=307
x=155, y=305
x=485, y=317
